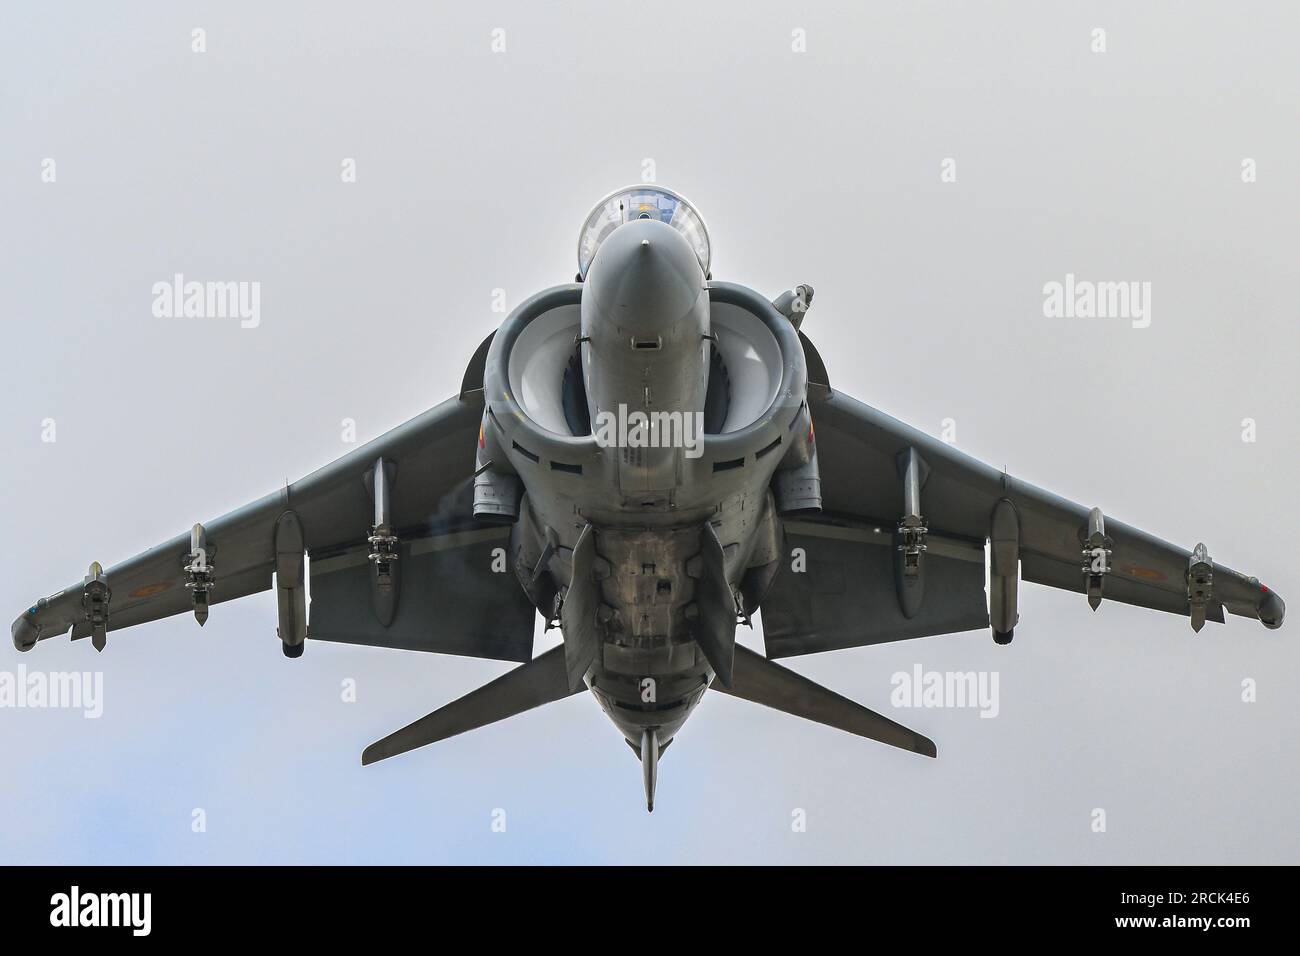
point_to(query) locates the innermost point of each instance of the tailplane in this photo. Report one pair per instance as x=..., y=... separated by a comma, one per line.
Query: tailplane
x=757, y=679
x=540, y=681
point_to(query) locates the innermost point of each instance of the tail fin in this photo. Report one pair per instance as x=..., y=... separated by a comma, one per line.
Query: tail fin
x=759, y=680
x=530, y=685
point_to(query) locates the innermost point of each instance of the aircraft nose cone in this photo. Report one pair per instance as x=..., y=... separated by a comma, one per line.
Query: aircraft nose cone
x=645, y=278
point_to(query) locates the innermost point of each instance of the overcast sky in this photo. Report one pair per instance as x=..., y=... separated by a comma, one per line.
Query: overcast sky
x=813, y=137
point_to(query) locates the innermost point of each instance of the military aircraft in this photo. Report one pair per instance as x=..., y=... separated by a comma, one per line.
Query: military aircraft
x=633, y=457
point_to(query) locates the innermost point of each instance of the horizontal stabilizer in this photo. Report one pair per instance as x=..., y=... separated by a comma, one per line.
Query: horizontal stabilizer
x=759, y=680
x=530, y=685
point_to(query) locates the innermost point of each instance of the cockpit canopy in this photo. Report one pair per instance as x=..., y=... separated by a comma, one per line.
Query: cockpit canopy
x=642, y=202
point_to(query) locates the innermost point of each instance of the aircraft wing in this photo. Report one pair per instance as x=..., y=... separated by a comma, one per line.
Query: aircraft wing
x=443, y=555
x=852, y=597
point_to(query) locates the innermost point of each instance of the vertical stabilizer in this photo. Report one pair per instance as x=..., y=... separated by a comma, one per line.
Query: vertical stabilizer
x=650, y=764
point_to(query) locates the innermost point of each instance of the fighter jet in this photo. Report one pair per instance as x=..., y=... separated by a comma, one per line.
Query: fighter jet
x=633, y=457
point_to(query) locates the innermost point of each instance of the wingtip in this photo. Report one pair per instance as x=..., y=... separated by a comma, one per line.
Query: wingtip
x=25, y=632
x=925, y=746
x=1271, y=609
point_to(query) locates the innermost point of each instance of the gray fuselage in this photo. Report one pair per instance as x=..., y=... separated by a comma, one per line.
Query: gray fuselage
x=648, y=332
